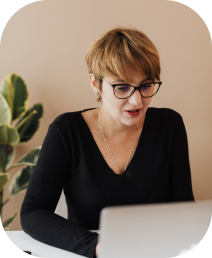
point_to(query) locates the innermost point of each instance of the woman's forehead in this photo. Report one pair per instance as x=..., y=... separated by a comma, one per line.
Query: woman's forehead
x=133, y=76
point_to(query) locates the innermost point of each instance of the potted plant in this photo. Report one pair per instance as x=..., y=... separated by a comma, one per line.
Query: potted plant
x=17, y=125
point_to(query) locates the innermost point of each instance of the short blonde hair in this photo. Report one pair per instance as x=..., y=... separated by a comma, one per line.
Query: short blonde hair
x=121, y=48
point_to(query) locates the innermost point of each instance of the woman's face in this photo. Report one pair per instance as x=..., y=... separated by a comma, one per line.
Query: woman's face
x=118, y=108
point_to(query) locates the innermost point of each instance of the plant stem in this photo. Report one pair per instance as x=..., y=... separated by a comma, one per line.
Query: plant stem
x=5, y=202
x=1, y=200
x=4, y=170
x=5, y=159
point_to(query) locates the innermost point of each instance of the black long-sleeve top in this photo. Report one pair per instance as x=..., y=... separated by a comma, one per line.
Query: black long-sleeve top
x=69, y=159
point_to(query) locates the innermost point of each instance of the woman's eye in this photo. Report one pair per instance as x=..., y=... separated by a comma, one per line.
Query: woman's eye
x=147, y=86
x=123, y=88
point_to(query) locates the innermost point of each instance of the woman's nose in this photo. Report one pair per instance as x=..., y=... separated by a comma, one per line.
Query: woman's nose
x=136, y=98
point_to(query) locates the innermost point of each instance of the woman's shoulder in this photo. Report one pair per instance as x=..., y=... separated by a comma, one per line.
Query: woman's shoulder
x=164, y=113
x=69, y=119
x=163, y=117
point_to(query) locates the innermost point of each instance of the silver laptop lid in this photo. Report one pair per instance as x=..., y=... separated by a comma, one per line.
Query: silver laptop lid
x=153, y=230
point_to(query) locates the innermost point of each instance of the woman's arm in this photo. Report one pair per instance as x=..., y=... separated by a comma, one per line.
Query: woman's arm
x=180, y=175
x=37, y=212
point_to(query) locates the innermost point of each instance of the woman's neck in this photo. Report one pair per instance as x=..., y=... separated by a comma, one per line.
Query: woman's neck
x=114, y=128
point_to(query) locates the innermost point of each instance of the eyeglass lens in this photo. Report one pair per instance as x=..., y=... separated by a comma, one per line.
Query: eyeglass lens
x=124, y=90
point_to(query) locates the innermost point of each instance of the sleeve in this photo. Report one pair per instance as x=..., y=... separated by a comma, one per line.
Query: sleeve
x=37, y=212
x=180, y=187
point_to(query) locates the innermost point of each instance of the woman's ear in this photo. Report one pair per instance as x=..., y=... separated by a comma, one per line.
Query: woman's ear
x=93, y=84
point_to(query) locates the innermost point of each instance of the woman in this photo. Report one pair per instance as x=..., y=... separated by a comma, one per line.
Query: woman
x=119, y=154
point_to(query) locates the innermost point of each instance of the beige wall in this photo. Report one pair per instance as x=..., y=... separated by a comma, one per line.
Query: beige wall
x=45, y=43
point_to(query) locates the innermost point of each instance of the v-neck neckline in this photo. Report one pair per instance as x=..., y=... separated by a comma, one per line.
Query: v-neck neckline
x=106, y=164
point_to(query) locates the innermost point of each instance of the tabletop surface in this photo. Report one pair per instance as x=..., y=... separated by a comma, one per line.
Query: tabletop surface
x=38, y=249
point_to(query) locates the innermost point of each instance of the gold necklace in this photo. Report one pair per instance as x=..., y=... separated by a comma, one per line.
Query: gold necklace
x=109, y=146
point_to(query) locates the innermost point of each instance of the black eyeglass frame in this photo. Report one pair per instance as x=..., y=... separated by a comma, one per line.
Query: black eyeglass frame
x=134, y=88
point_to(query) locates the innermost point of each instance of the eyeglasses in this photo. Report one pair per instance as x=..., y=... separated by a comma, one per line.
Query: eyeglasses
x=124, y=91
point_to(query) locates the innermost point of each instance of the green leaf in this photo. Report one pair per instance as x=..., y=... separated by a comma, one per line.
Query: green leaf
x=4, y=177
x=10, y=155
x=29, y=158
x=20, y=180
x=29, y=123
x=5, y=114
x=9, y=135
x=15, y=91
x=24, y=120
x=8, y=222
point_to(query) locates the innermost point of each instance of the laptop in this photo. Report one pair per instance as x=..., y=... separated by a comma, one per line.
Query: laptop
x=153, y=230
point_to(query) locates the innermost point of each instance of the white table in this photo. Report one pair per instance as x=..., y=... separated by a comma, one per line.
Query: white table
x=27, y=243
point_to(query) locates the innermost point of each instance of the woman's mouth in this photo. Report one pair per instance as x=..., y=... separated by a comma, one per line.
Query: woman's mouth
x=133, y=112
